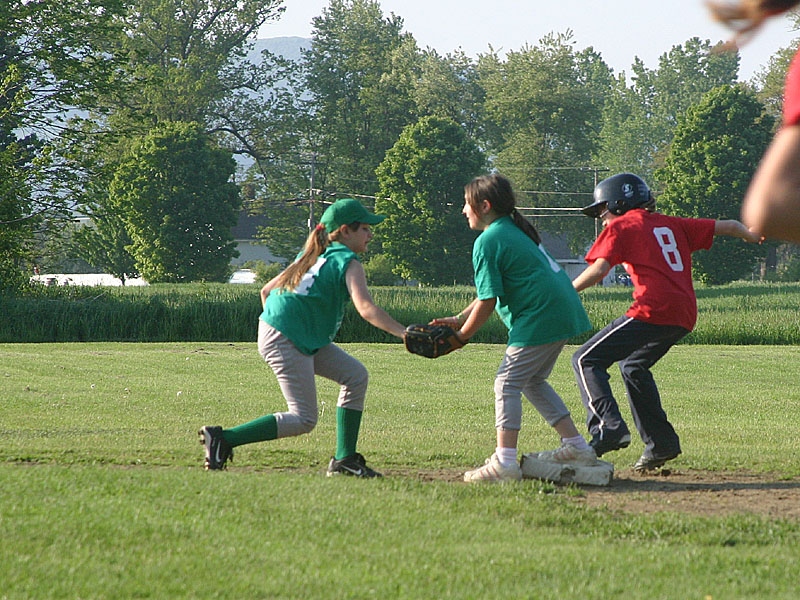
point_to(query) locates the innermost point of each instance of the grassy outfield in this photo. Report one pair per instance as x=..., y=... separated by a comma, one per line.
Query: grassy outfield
x=102, y=494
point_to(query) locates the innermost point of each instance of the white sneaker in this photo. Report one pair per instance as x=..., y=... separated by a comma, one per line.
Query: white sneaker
x=493, y=471
x=570, y=455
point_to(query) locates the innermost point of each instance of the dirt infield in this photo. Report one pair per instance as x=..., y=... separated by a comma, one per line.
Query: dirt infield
x=701, y=493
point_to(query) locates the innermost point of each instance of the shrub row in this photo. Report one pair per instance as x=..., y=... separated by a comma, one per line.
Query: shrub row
x=742, y=313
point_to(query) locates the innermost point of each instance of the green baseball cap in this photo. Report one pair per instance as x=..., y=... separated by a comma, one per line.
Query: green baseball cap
x=345, y=212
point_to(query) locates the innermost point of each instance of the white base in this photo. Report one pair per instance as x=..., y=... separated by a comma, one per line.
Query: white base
x=532, y=468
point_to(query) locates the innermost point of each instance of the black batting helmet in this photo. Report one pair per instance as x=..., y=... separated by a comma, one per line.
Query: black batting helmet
x=619, y=194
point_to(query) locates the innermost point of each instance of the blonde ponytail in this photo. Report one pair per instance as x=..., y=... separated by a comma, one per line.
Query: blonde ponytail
x=316, y=243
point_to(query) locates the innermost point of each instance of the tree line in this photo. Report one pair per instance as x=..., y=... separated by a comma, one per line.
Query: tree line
x=131, y=111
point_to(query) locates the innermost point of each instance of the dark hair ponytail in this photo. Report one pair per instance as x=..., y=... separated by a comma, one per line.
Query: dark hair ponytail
x=526, y=226
x=497, y=190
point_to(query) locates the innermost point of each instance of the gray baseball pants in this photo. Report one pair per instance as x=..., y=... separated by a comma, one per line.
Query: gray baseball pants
x=524, y=370
x=295, y=372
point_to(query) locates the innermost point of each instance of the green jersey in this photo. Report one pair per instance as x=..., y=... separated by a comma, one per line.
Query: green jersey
x=311, y=314
x=535, y=297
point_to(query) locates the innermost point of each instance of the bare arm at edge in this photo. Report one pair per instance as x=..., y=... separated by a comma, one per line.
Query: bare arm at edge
x=772, y=202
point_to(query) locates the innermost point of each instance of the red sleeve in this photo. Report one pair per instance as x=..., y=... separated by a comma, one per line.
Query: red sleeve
x=607, y=246
x=699, y=233
x=791, y=94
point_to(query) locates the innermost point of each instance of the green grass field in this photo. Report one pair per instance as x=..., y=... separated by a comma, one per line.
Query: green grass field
x=102, y=494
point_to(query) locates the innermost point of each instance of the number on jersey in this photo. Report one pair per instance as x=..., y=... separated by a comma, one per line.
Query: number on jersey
x=553, y=264
x=310, y=276
x=669, y=248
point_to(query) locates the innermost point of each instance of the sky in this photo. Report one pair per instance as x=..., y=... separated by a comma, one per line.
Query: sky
x=618, y=30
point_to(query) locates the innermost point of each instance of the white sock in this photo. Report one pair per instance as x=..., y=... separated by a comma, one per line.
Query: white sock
x=506, y=456
x=576, y=441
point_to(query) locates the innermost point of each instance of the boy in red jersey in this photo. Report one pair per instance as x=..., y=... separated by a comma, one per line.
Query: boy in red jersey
x=656, y=251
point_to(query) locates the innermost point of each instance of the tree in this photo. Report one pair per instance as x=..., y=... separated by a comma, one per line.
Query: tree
x=174, y=191
x=183, y=59
x=104, y=245
x=771, y=79
x=360, y=73
x=543, y=107
x=422, y=183
x=289, y=217
x=15, y=201
x=449, y=87
x=53, y=55
x=716, y=149
x=639, y=120
x=550, y=93
x=333, y=117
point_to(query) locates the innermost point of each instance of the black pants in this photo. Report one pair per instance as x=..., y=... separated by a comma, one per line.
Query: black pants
x=637, y=346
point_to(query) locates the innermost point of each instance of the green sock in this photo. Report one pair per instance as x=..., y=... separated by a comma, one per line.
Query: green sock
x=258, y=430
x=348, y=422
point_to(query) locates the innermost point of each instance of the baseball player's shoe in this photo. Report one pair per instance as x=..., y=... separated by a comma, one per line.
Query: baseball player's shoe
x=651, y=463
x=218, y=451
x=354, y=465
x=611, y=441
x=493, y=471
x=568, y=454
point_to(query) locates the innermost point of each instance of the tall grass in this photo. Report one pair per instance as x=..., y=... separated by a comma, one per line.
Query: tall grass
x=740, y=313
x=163, y=312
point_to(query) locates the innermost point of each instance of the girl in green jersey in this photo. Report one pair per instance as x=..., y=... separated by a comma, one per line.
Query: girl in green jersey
x=515, y=276
x=303, y=309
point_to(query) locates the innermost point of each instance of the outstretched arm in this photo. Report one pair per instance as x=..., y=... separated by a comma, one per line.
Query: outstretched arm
x=594, y=273
x=374, y=315
x=736, y=229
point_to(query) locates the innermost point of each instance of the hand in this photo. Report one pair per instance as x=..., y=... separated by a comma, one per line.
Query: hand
x=754, y=237
x=453, y=322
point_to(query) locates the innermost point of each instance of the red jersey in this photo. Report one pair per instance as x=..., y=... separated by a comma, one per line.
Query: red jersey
x=791, y=94
x=656, y=251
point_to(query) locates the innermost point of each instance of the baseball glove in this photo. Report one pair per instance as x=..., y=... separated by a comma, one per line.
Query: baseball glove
x=431, y=341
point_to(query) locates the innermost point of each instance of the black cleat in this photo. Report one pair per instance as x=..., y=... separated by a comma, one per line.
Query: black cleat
x=354, y=465
x=611, y=441
x=218, y=451
x=651, y=463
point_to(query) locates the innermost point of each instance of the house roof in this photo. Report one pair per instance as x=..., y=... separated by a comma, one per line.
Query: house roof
x=557, y=246
x=248, y=225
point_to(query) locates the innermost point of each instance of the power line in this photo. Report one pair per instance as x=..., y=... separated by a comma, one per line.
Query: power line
x=557, y=193
x=557, y=208
x=353, y=195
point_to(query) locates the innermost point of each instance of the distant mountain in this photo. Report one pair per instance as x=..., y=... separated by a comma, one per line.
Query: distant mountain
x=287, y=47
